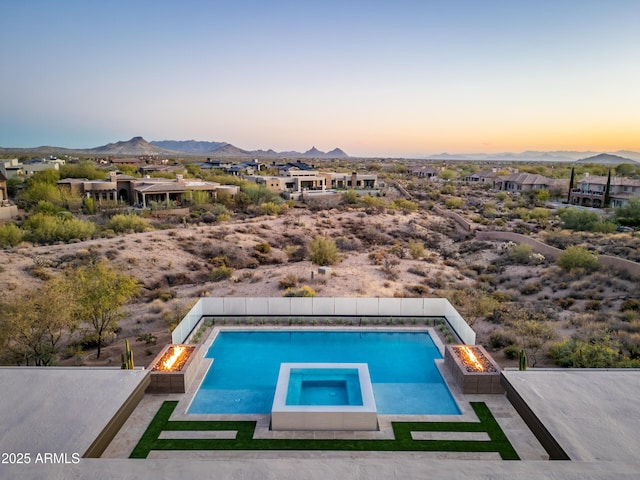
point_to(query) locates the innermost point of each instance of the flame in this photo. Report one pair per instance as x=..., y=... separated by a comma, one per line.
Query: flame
x=169, y=362
x=471, y=357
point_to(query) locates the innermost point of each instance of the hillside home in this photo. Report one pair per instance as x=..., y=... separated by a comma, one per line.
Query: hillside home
x=423, y=171
x=589, y=191
x=484, y=177
x=524, y=182
x=354, y=180
x=15, y=169
x=271, y=183
x=214, y=164
x=143, y=192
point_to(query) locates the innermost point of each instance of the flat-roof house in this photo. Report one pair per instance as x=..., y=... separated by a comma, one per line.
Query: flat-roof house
x=143, y=191
x=353, y=180
x=12, y=168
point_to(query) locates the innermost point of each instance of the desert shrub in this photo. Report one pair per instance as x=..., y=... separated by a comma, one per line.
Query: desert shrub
x=295, y=253
x=289, y=281
x=372, y=235
x=37, y=191
x=564, y=302
x=350, y=197
x=263, y=248
x=418, y=289
x=323, y=251
x=127, y=223
x=44, y=228
x=521, y=253
x=630, y=304
x=522, y=213
x=416, y=249
x=531, y=288
x=345, y=244
x=10, y=235
x=453, y=203
x=593, y=305
x=580, y=354
x=270, y=208
x=220, y=273
x=147, y=338
x=417, y=271
x=160, y=294
x=559, y=239
x=540, y=213
x=577, y=257
x=398, y=250
x=304, y=291
x=582, y=220
x=501, y=339
x=406, y=206
x=512, y=351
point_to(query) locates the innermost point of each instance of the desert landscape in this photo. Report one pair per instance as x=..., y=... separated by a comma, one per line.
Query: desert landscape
x=266, y=255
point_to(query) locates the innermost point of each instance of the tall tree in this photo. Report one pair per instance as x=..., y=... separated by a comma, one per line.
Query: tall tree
x=571, y=182
x=36, y=322
x=607, y=192
x=101, y=292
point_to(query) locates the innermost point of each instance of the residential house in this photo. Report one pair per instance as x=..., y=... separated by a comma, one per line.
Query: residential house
x=143, y=192
x=524, y=182
x=423, y=171
x=285, y=167
x=483, y=177
x=125, y=161
x=354, y=180
x=12, y=168
x=589, y=191
x=214, y=164
x=272, y=183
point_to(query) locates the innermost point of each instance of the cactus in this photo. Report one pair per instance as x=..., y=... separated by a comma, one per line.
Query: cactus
x=127, y=357
x=522, y=360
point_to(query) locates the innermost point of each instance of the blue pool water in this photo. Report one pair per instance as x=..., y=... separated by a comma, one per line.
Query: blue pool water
x=324, y=386
x=243, y=376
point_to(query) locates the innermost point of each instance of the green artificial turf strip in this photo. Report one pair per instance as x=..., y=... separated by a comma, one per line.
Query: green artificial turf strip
x=402, y=431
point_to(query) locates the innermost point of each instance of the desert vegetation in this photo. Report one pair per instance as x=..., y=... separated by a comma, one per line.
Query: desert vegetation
x=400, y=242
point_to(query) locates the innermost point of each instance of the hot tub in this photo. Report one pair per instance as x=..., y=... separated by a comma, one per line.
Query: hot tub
x=324, y=396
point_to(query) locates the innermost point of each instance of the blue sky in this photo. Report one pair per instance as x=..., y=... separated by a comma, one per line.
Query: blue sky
x=376, y=78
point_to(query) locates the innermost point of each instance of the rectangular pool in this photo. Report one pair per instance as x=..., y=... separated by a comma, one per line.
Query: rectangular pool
x=244, y=373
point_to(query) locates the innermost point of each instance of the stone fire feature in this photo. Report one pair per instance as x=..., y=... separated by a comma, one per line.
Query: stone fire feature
x=178, y=378
x=473, y=369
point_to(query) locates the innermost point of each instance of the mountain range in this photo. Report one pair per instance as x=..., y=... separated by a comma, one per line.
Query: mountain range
x=622, y=156
x=138, y=146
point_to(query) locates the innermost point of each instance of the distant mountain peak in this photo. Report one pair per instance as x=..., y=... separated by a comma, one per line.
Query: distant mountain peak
x=606, y=158
x=136, y=146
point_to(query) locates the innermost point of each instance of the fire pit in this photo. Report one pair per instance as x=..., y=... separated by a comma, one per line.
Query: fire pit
x=173, y=358
x=473, y=369
x=173, y=369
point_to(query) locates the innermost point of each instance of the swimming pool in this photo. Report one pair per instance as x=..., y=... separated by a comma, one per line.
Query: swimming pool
x=243, y=376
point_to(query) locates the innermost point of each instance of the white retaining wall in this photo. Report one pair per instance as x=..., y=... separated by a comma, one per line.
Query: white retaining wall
x=323, y=307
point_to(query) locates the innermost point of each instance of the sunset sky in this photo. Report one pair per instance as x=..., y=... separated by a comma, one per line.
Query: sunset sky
x=375, y=78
